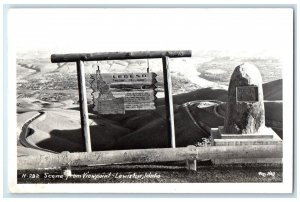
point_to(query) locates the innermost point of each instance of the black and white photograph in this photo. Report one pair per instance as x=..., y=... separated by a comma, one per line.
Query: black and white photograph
x=155, y=100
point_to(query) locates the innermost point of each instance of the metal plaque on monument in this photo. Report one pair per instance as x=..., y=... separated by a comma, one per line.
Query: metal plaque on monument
x=244, y=122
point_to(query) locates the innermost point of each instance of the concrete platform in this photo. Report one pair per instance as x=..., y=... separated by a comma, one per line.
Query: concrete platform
x=248, y=160
x=268, y=137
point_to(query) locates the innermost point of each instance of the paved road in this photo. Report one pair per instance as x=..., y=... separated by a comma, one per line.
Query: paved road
x=27, y=131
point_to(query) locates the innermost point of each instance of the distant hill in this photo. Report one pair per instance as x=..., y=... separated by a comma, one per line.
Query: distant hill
x=273, y=90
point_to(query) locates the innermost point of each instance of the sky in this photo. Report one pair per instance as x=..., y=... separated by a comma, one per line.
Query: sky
x=263, y=31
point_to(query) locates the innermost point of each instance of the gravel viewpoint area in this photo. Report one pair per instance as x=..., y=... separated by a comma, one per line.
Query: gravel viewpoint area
x=157, y=173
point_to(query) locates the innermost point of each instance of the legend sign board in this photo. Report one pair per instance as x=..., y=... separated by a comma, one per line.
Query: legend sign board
x=247, y=94
x=116, y=93
x=110, y=106
x=129, y=78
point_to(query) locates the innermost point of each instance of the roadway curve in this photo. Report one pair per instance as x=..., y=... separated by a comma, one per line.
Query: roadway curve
x=186, y=106
x=27, y=131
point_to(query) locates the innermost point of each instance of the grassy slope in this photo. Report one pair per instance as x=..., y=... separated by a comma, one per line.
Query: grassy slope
x=60, y=131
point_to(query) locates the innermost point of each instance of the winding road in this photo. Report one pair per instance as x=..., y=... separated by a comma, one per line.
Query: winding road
x=27, y=131
x=187, y=108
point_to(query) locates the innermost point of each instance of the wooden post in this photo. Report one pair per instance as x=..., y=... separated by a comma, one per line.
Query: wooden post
x=191, y=165
x=84, y=116
x=169, y=100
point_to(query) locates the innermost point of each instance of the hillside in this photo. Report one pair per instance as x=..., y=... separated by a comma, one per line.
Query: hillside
x=59, y=129
x=53, y=88
x=273, y=90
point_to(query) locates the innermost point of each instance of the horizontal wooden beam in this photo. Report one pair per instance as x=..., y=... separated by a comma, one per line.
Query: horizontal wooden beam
x=57, y=58
x=149, y=155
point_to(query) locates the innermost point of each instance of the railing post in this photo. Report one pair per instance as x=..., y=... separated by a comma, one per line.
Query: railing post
x=84, y=115
x=169, y=100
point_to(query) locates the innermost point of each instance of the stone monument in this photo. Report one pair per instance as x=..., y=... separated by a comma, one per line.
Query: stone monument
x=244, y=120
x=245, y=107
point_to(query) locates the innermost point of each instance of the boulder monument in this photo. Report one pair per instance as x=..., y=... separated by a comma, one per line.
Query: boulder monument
x=245, y=107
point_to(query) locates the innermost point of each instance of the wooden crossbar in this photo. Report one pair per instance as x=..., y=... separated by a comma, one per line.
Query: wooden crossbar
x=74, y=57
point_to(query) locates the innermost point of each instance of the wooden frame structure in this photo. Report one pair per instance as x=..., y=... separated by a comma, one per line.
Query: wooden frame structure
x=80, y=57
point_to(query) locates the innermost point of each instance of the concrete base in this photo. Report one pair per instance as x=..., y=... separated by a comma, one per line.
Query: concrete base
x=221, y=139
x=247, y=160
x=268, y=137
